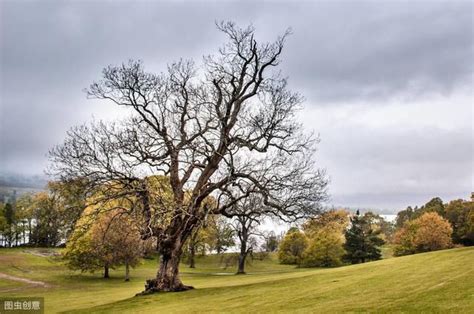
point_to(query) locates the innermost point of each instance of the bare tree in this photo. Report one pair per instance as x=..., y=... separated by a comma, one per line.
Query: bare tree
x=226, y=126
x=248, y=216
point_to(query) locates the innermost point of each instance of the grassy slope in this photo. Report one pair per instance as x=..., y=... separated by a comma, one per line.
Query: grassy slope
x=439, y=281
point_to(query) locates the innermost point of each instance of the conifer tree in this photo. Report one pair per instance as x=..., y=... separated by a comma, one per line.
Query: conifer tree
x=362, y=242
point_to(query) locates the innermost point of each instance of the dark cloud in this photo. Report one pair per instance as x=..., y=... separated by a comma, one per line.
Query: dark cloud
x=366, y=51
x=341, y=52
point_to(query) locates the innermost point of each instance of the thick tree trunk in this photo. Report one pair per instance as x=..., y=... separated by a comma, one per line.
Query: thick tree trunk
x=170, y=250
x=106, y=271
x=127, y=272
x=167, y=279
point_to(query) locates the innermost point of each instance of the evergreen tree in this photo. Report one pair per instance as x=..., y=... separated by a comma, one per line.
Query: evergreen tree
x=10, y=221
x=362, y=242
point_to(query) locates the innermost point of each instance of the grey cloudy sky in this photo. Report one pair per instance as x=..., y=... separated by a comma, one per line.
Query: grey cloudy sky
x=388, y=84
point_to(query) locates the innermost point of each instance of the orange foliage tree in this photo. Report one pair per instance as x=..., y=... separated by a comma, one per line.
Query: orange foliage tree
x=429, y=232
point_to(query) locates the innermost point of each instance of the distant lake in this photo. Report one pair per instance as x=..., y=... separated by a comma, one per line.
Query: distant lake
x=390, y=218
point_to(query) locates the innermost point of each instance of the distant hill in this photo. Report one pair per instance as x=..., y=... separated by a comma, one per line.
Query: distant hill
x=23, y=181
x=14, y=185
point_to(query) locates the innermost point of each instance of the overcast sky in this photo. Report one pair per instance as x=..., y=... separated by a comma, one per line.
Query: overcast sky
x=388, y=85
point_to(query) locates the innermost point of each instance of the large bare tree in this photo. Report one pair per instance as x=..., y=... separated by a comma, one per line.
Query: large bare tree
x=219, y=133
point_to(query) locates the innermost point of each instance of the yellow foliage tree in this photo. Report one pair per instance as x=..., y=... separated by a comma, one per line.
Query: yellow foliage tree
x=429, y=232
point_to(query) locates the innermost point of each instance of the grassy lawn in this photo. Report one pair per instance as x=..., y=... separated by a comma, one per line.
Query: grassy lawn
x=435, y=282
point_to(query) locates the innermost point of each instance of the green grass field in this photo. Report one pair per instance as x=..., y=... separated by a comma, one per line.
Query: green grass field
x=432, y=282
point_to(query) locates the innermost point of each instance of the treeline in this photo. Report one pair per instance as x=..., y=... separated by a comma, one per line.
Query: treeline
x=335, y=238
x=434, y=226
x=43, y=219
x=102, y=235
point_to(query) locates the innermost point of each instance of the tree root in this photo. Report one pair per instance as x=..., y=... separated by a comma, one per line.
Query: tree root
x=152, y=286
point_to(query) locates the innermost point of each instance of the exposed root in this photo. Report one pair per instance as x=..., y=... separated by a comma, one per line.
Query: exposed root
x=152, y=286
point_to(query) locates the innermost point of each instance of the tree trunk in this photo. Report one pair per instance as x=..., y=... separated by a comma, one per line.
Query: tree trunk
x=243, y=237
x=192, y=254
x=170, y=250
x=241, y=269
x=29, y=231
x=167, y=279
x=106, y=271
x=127, y=272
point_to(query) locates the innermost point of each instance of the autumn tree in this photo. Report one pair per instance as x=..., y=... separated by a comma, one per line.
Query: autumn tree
x=292, y=247
x=336, y=219
x=385, y=228
x=228, y=123
x=104, y=241
x=429, y=232
x=325, y=248
x=325, y=234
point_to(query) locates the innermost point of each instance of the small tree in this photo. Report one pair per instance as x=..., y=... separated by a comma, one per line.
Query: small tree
x=326, y=238
x=404, y=239
x=325, y=249
x=199, y=239
x=104, y=242
x=245, y=228
x=429, y=232
x=272, y=241
x=292, y=247
x=362, y=241
x=48, y=220
x=220, y=234
x=248, y=213
x=433, y=233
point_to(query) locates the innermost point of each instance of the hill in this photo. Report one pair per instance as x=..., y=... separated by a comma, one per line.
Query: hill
x=440, y=281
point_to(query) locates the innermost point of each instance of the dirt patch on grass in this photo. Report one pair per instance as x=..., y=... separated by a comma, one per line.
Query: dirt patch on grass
x=25, y=280
x=43, y=252
x=7, y=258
